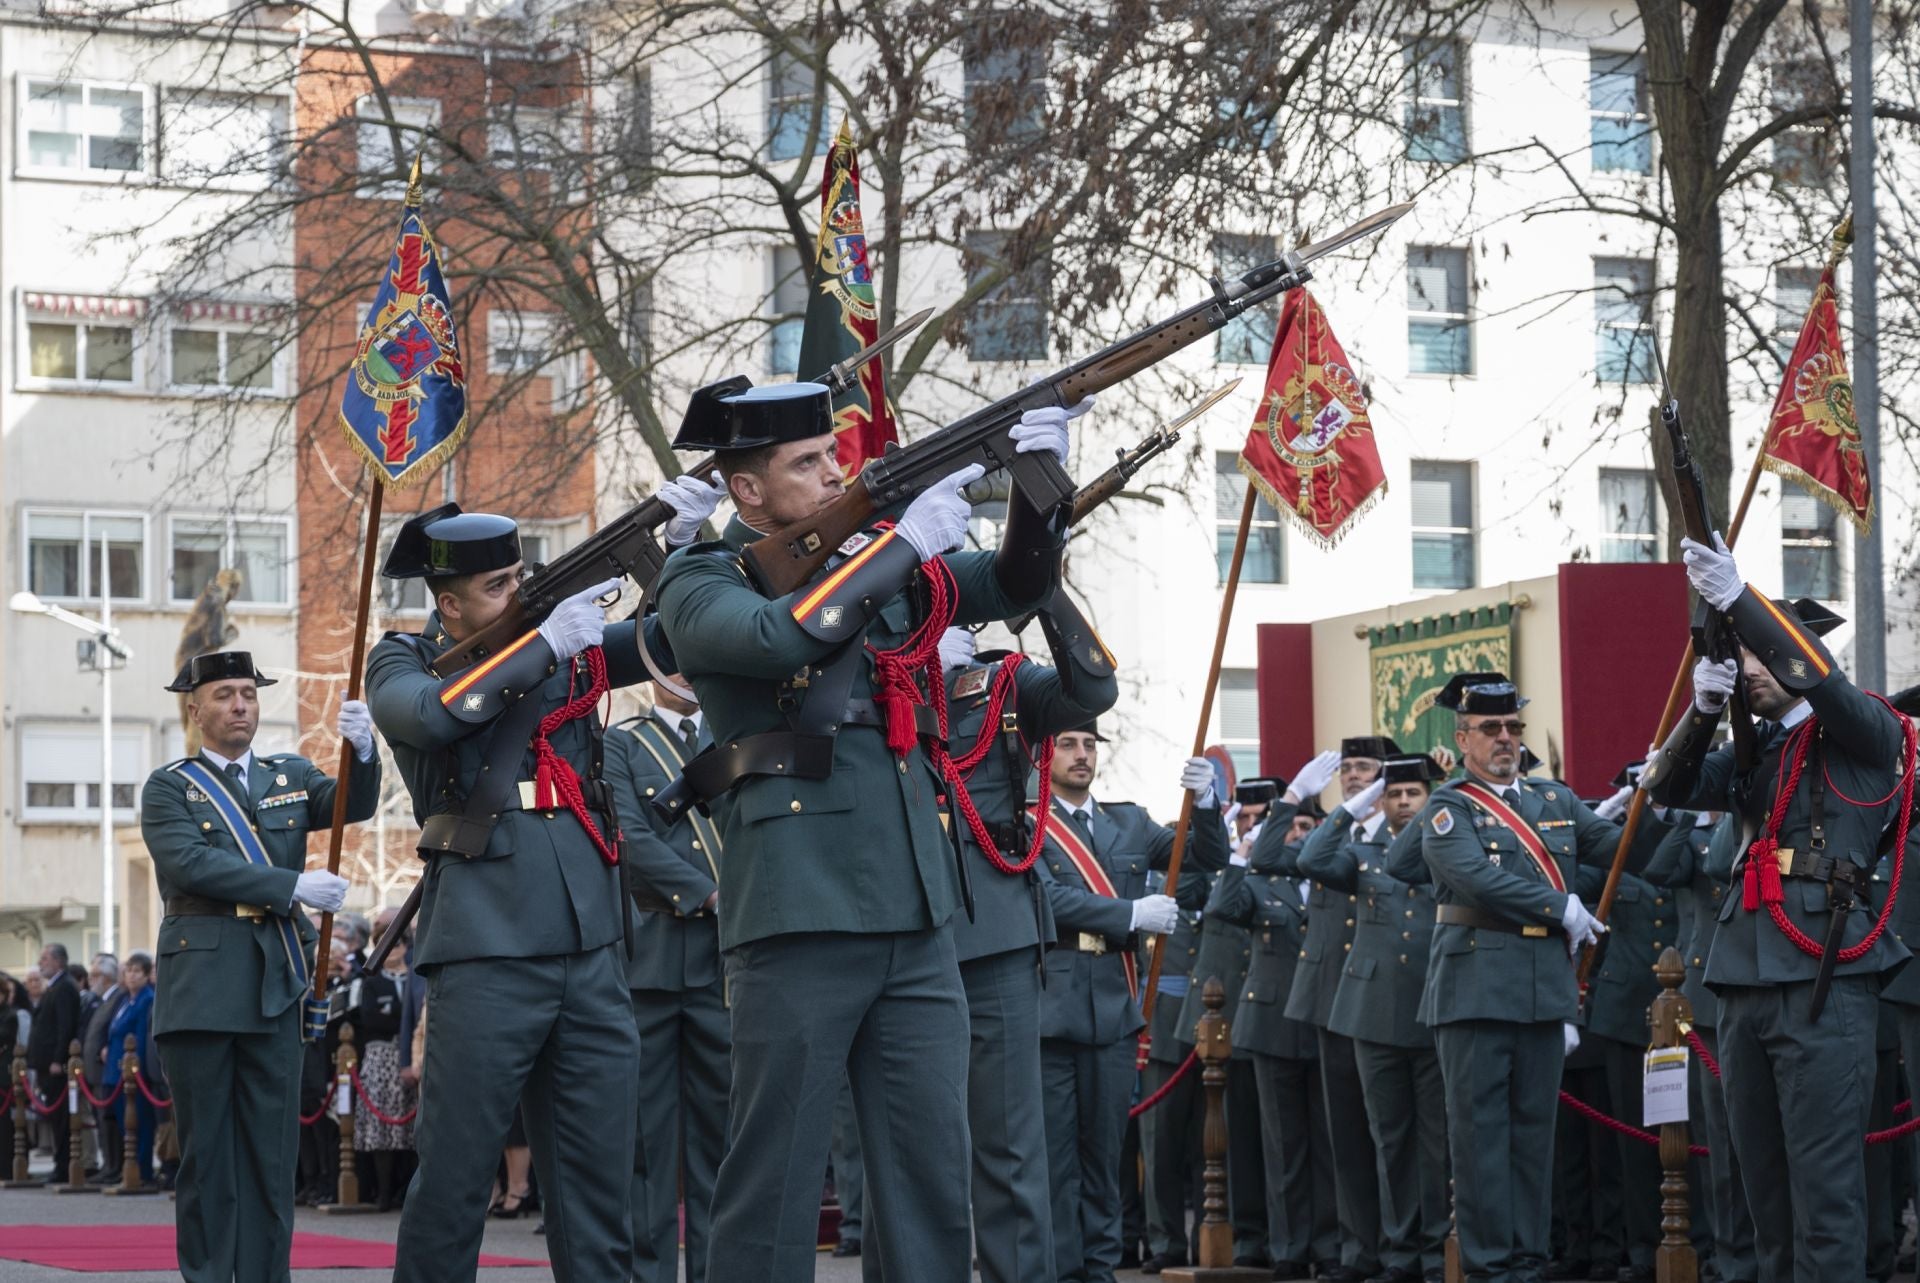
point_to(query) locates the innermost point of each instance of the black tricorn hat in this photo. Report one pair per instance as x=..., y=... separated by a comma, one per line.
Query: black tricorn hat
x=1377, y=747
x=1819, y=620
x=447, y=541
x=1488, y=692
x=1906, y=701
x=1529, y=761
x=1256, y=790
x=735, y=415
x=1087, y=728
x=1311, y=806
x=1410, y=768
x=218, y=667
x=1630, y=773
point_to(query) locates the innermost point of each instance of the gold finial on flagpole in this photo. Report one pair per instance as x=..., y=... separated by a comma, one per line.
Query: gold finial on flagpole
x=413, y=182
x=1842, y=240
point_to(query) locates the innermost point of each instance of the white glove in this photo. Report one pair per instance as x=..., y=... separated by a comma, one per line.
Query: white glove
x=355, y=725
x=320, y=890
x=1713, y=683
x=1046, y=428
x=1711, y=571
x=1242, y=851
x=1616, y=806
x=692, y=501
x=936, y=521
x=578, y=622
x=1582, y=927
x=1366, y=801
x=956, y=648
x=1570, y=1035
x=1312, y=779
x=1197, y=778
x=1156, y=914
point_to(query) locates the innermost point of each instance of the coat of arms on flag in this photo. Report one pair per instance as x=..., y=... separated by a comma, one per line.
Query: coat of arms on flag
x=1311, y=451
x=404, y=403
x=1812, y=437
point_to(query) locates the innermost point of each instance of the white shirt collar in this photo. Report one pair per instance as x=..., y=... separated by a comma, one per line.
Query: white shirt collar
x=1797, y=714
x=245, y=760
x=671, y=720
x=1373, y=825
x=1086, y=808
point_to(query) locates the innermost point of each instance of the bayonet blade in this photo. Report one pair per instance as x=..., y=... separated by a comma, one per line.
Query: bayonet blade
x=1372, y=225
x=1201, y=406
x=841, y=375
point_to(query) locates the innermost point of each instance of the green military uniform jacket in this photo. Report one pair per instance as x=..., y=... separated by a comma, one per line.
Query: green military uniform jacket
x=1378, y=995
x=1476, y=973
x=862, y=850
x=1169, y=1036
x=1010, y=911
x=1085, y=998
x=541, y=888
x=1643, y=921
x=1331, y=916
x=1265, y=899
x=678, y=951
x=232, y=974
x=1226, y=955
x=1685, y=862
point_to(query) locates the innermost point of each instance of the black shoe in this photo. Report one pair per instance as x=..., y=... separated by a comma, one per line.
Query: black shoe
x=1283, y=1270
x=1334, y=1272
x=541, y=1228
x=1163, y=1260
x=1129, y=1257
x=1560, y=1270
x=1252, y=1261
x=847, y=1247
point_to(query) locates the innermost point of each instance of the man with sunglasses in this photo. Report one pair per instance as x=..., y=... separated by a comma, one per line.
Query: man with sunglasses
x=1501, y=851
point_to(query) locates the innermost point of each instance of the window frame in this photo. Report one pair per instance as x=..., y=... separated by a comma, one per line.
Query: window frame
x=368, y=186
x=1226, y=468
x=1458, y=320
x=778, y=104
x=1033, y=92
x=139, y=733
x=83, y=173
x=87, y=542
x=1415, y=102
x=565, y=372
x=1831, y=542
x=1655, y=540
x=1786, y=335
x=231, y=521
x=996, y=298
x=1241, y=327
x=1643, y=327
x=1471, y=530
x=279, y=173
x=173, y=320
x=1230, y=680
x=26, y=315
x=784, y=328
x=1642, y=114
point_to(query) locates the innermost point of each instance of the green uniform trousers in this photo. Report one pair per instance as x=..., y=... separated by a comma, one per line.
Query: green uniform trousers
x=1170, y=1135
x=1356, y=1168
x=1087, y=1091
x=682, y=1131
x=1407, y=1110
x=555, y=1036
x=1503, y=1082
x=1732, y=1221
x=1799, y=1096
x=1246, y=1162
x=1301, y=1225
x=1012, y=1210
x=1586, y=1171
x=884, y=1012
x=236, y=1109
x=1637, y=1162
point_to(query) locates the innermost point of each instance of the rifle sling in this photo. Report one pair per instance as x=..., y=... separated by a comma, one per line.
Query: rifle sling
x=465, y=828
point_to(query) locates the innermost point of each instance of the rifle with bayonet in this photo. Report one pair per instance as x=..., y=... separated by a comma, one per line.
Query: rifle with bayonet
x=788, y=558
x=626, y=546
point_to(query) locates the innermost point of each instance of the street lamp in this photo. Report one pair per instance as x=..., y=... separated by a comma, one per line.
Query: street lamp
x=100, y=657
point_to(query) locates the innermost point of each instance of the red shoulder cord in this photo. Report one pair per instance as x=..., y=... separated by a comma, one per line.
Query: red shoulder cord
x=1761, y=884
x=899, y=693
x=554, y=783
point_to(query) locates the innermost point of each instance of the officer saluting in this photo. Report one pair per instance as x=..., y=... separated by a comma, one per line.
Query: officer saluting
x=839, y=882
x=227, y=831
x=1797, y=1098
x=522, y=917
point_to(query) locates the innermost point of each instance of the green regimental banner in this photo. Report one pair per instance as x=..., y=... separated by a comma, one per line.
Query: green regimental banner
x=1411, y=662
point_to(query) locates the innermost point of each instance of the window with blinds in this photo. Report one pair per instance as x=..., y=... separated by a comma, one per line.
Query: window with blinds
x=1623, y=320
x=1265, y=559
x=1238, y=721
x=60, y=772
x=1629, y=515
x=1442, y=525
x=1809, y=547
x=789, y=309
x=1439, y=331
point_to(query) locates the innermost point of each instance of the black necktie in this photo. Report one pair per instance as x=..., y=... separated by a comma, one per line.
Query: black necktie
x=1083, y=820
x=689, y=734
x=1512, y=797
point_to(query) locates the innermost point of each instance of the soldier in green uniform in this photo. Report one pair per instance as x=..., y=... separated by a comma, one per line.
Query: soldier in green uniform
x=1094, y=869
x=1260, y=890
x=1500, y=996
x=1002, y=710
x=227, y=830
x=523, y=915
x=1798, y=1095
x=1170, y=1132
x=1330, y=925
x=679, y=999
x=1375, y=1005
x=840, y=882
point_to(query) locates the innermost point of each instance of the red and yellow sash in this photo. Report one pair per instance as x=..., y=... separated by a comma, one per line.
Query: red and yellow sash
x=1489, y=801
x=1092, y=872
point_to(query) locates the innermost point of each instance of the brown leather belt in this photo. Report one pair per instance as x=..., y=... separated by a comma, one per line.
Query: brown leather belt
x=195, y=906
x=1462, y=915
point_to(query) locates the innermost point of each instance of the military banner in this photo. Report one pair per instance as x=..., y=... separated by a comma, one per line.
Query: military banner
x=1812, y=437
x=1410, y=662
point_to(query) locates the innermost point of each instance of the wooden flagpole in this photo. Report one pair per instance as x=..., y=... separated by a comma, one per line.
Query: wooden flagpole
x=1181, y=829
x=371, y=544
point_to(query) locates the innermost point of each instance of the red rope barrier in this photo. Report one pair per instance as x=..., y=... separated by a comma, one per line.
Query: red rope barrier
x=6, y=1101
x=47, y=1111
x=308, y=1120
x=1894, y=1133
x=1160, y=1092
x=1588, y=1112
x=1700, y=1049
x=374, y=1109
x=96, y=1103
x=140, y=1080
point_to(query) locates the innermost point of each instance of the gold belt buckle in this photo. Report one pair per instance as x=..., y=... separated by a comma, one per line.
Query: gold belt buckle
x=1783, y=859
x=526, y=795
x=1092, y=943
x=1534, y=932
x=253, y=911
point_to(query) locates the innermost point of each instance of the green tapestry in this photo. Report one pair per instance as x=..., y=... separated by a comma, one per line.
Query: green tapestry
x=1411, y=662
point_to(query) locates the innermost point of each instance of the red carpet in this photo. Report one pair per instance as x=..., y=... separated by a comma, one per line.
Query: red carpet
x=106, y=1249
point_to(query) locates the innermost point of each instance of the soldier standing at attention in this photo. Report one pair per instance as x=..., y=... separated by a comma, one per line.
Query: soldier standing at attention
x=523, y=916
x=1330, y=926
x=679, y=995
x=1815, y=804
x=1095, y=870
x=839, y=882
x=1501, y=851
x=227, y=830
x=1003, y=711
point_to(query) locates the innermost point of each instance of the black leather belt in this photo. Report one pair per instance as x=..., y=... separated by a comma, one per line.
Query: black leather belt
x=1462, y=915
x=1815, y=867
x=866, y=712
x=197, y=906
x=1090, y=942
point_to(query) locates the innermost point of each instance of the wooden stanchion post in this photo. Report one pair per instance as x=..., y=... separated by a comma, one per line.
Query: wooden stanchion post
x=130, y=1180
x=1454, y=1274
x=1216, y=1232
x=22, y=1145
x=1673, y=1261
x=76, y=1133
x=347, y=1195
